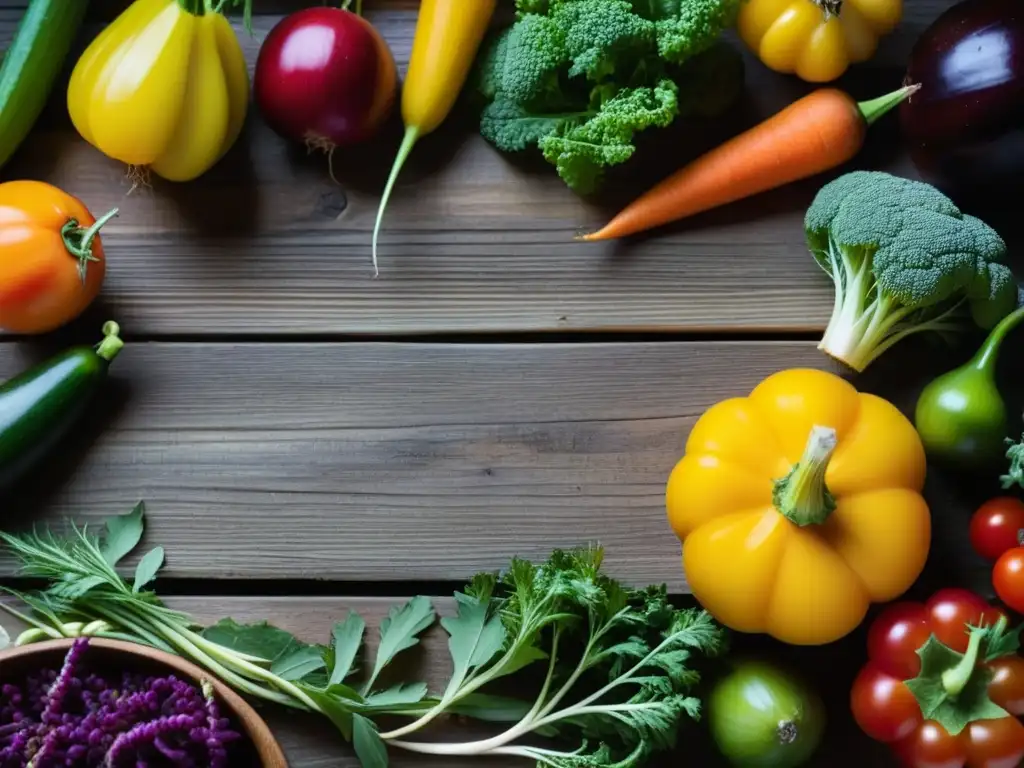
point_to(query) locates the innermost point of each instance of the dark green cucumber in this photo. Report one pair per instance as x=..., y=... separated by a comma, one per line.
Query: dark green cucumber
x=40, y=406
x=31, y=66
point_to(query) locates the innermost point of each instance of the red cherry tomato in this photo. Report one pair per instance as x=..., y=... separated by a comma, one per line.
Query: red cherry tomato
x=1007, y=685
x=996, y=526
x=895, y=636
x=994, y=743
x=1008, y=578
x=931, y=746
x=951, y=611
x=883, y=706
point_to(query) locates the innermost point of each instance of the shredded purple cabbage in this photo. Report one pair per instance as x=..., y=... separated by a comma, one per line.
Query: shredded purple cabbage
x=69, y=717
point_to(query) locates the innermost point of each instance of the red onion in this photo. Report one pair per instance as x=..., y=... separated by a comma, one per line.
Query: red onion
x=326, y=77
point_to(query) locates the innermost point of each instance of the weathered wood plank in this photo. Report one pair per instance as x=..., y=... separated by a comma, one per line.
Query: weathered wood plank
x=310, y=743
x=394, y=461
x=266, y=243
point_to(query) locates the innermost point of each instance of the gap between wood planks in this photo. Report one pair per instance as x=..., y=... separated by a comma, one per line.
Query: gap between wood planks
x=273, y=588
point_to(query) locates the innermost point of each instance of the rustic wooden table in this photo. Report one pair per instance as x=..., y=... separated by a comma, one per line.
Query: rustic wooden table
x=309, y=439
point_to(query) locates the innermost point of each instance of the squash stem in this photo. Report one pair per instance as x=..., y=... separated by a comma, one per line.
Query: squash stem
x=873, y=109
x=986, y=357
x=112, y=342
x=802, y=495
x=78, y=240
x=412, y=134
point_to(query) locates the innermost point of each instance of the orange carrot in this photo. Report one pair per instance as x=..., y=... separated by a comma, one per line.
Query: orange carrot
x=820, y=131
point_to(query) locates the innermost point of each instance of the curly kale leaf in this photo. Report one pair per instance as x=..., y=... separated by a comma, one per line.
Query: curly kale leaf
x=512, y=128
x=581, y=151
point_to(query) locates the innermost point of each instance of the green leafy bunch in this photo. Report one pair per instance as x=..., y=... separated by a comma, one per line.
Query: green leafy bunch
x=614, y=666
x=579, y=78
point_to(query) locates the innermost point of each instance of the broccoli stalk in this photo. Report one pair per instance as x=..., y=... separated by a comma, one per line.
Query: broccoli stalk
x=904, y=259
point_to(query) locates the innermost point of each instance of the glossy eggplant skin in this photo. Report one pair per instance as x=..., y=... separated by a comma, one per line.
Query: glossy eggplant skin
x=965, y=127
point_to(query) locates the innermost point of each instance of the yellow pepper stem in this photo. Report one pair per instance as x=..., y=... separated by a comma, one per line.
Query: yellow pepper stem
x=802, y=495
x=830, y=7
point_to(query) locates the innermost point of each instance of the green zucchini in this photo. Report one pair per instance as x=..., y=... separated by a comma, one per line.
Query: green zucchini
x=40, y=406
x=31, y=66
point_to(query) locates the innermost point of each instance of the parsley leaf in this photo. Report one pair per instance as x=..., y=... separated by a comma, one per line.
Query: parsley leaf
x=124, y=532
x=148, y=567
x=400, y=631
x=299, y=663
x=346, y=639
x=367, y=742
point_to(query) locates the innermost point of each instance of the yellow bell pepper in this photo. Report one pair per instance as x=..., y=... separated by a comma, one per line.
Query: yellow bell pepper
x=164, y=86
x=799, y=506
x=816, y=39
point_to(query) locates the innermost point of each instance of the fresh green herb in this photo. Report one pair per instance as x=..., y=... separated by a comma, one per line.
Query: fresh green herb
x=1015, y=454
x=616, y=664
x=579, y=78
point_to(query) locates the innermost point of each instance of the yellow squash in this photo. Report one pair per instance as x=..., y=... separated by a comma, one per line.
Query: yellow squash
x=164, y=86
x=816, y=39
x=448, y=35
x=799, y=506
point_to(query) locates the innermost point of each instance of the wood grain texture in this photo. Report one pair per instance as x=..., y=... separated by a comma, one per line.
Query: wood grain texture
x=394, y=461
x=311, y=743
x=267, y=244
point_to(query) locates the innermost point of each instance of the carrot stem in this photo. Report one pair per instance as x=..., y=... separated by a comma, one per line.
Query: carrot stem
x=875, y=108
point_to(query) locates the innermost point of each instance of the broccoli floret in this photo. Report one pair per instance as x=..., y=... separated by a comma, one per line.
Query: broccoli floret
x=599, y=33
x=904, y=259
x=686, y=28
x=523, y=62
x=581, y=151
x=578, y=78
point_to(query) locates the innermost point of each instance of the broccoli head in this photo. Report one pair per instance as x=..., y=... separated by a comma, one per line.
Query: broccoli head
x=522, y=63
x=578, y=78
x=904, y=259
x=601, y=36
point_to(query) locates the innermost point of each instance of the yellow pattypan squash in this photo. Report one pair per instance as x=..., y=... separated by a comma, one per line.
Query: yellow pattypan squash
x=816, y=39
x=164, y=86
x=799, y=506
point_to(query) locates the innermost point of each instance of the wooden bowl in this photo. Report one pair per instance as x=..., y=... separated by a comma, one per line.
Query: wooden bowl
x=18, y=662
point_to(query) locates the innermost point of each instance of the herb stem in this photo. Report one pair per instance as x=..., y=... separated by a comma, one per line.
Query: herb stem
x=469, y=687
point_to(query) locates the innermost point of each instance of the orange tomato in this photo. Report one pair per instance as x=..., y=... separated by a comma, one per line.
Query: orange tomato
x=51, y=257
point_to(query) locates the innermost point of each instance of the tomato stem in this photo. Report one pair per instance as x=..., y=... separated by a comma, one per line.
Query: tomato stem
x=78, y=240
x=955, y=680
x=802, y=495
